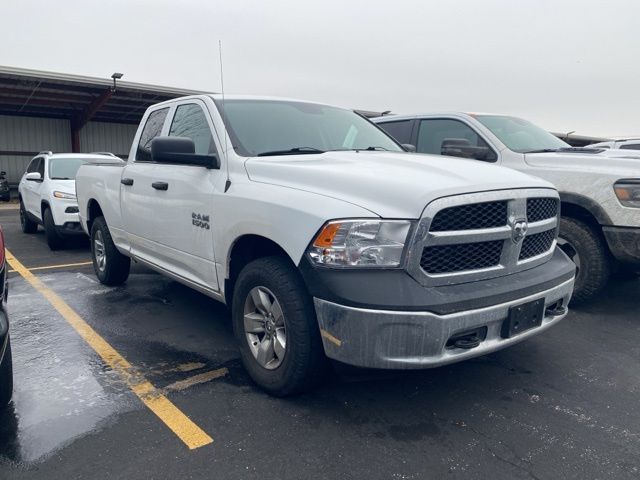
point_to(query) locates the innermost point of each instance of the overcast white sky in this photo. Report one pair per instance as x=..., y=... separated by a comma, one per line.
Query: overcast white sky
x=564, y=64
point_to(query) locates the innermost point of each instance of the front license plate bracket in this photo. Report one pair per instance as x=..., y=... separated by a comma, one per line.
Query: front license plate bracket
x=523, y=317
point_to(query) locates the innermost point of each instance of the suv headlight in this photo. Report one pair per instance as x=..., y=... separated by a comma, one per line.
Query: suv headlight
x=68, y=196
x=360, y=243
x=628, y=192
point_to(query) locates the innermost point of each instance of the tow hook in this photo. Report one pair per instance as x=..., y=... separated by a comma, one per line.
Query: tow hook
x=469, y=339
x=555, y=310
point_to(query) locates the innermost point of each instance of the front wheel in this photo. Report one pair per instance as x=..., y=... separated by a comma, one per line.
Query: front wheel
x=28, y=225
x=585, y=246
x=275, y=325
x=54, y=239
x=111, y=267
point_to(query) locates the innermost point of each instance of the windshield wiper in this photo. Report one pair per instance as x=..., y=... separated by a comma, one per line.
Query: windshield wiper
x=291, y=151
x=542, y=150
x=61, y=178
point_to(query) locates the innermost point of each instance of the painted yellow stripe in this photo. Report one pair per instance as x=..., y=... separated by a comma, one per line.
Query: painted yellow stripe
x=192, y=435
x=64, y=265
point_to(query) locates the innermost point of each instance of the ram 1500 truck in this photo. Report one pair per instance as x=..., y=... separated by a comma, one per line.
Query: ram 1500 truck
x=327, y=239
x=599, y=188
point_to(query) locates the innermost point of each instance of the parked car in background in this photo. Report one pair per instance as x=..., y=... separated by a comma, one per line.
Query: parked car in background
x=6, y=366
x=5, y=193
x=622, y=144
x=599, y=188
x=47, y=193
x=326, y=238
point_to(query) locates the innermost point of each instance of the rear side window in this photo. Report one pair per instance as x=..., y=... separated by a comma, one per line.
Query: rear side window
x=630, y=146
x=400, y=130
x=190, y=121
x=151, y=130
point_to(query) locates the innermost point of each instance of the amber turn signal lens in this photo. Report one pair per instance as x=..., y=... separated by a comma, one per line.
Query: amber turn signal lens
x=326, y=236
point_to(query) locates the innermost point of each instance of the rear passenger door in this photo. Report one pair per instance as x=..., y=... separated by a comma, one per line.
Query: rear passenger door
x=184, y=218
x=137, y=196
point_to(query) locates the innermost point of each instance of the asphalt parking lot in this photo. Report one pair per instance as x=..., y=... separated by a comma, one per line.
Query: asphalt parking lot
x=561, y=405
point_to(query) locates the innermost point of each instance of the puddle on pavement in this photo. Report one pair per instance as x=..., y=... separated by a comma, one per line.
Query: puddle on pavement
x=63, y=390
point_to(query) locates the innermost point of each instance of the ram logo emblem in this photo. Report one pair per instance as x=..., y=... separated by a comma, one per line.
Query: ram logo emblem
x=519, y=230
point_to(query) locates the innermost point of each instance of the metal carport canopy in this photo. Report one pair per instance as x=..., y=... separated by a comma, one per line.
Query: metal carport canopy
x=76, y=98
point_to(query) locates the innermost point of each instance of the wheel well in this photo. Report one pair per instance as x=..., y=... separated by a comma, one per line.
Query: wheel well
x=93, y=211
x=246, y=249
x=43, y=206
x=578, y=212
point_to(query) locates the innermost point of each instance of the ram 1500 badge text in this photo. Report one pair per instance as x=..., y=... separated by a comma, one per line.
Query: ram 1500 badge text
x=599, y=188
x=326, y=239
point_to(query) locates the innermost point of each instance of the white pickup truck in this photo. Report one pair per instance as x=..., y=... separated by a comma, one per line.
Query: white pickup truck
x=599, y=188
x=326, y=239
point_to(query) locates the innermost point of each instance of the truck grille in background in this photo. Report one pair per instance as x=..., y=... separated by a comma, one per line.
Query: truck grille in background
x=537, y=244
x=457, y=258
x=541, y=209
x=470, y=217
x=474, y=236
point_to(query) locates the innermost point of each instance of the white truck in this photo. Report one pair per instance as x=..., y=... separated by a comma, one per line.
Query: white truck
x=326, y=239
x=599, y=188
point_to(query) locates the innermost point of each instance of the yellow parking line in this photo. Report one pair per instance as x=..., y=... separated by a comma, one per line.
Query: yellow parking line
x=64, y=265
x=192, y=435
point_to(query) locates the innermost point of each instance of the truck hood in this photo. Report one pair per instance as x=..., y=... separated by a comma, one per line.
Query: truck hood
x=621, y=163
x=391, y=185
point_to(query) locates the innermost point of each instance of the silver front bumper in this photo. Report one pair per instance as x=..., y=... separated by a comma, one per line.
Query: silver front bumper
x=408, y=340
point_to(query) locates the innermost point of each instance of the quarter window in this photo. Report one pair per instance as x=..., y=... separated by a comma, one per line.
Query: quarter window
x=400, y=130
x=454, y=138
x=151, y=130
x=190, y=121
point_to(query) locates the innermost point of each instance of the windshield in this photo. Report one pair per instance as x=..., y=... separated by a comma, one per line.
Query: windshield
x=64, y=168
x=520, y=135
x=259, y=127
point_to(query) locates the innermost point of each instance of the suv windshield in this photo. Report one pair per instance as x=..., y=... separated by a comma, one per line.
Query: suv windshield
x=64, y=168
x=520, y=135
x=269, y=127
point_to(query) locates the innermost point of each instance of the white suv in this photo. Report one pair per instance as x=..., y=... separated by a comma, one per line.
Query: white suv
x=47, y=193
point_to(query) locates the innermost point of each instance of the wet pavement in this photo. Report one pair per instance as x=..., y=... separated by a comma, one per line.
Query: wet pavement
x=561, y=405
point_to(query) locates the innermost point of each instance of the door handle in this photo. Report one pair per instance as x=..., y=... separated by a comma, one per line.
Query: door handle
x=127, y=181
x=160, y=185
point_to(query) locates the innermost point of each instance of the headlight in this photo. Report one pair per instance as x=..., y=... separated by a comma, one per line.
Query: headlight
x=628, y=192
x=360, y=243
x=68, y=196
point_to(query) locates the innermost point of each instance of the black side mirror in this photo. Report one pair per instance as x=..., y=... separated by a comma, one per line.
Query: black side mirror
x=461, y=147
x=180, y=150
x=409, y=148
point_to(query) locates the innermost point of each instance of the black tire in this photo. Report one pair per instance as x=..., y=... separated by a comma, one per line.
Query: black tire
x=115, y=268
x=28, y=225
x=584, y=243
x=54, y=239
x=303, y=365
x=6, y=377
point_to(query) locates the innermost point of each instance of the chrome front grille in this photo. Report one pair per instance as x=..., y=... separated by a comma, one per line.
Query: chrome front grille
x=484, y=235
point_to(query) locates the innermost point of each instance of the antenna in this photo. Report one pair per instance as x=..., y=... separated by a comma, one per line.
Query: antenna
x=224, y=120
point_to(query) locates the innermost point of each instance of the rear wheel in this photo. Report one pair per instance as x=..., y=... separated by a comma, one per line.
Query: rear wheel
x=585, y=246
x=6, y=377
x=28, y=225
x=111, y=267
x=276, y=328
x=54, y=239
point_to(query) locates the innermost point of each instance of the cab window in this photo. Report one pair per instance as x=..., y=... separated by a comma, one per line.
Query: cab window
x=151, y=130
x=189, y=121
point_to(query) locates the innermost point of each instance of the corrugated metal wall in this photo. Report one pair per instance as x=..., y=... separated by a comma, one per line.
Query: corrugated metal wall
x=107, y=137
x=26, y=134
